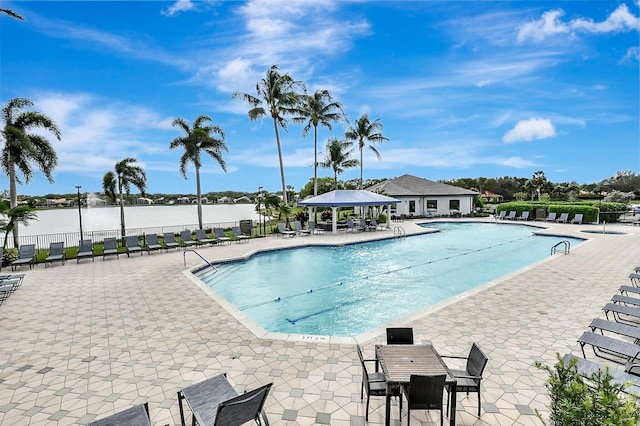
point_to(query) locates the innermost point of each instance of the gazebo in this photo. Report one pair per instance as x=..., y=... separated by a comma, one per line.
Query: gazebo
x=348, y=198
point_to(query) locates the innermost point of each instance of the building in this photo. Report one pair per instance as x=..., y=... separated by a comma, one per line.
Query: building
x=424, y=197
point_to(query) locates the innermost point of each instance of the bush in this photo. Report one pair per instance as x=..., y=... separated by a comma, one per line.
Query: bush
x=382, y=218
x=9, y=255
x=588, y=210
x=576, y=402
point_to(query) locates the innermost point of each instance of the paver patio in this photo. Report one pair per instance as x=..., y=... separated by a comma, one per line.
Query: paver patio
x=82, y=341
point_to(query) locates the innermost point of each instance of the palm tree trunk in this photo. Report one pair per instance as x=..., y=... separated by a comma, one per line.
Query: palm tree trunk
x=199, y=197
x=360, y=167
x=13, y=203
x=122, y=227
x=284, y=186
x=315, y=161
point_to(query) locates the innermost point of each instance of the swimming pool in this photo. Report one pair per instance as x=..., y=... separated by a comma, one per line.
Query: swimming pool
x=346, y=290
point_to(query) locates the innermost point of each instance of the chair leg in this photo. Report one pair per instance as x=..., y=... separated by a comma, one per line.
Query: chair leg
x=362, y=390
x=479, y=404
x=366, y=415
x=441, y=418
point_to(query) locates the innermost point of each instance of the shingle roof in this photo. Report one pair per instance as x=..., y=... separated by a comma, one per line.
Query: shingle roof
x=409, y=185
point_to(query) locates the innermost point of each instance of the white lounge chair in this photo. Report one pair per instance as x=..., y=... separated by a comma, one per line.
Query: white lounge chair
x=284, y=233
x=577, y=219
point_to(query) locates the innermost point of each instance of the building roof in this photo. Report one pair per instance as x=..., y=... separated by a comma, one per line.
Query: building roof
x=344, y=197
x=408, y=185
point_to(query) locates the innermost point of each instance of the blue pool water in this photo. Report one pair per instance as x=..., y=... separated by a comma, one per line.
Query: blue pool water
x=346, y=290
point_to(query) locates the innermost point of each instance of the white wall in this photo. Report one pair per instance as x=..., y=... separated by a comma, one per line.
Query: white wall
x=466, y=204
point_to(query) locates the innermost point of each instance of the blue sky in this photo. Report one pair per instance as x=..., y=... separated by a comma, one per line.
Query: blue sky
x=463, y=89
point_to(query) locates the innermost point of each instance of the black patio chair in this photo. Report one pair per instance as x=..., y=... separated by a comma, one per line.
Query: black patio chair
x=56, y=252
x=215, y=402
x=152, y=243
x=469, y=379
x=110, y=247
x=374, y=384
x=169, y=240
x=203, y=238
x=187, y=240
x=26, y=256
x=132, y=245
x=137, y=415
x=425, y=393
x=220, y=236
x=238, y=235
x=400, y=336
x=85, y=249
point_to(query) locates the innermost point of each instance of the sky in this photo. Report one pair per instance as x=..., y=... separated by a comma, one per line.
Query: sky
x=462, y=88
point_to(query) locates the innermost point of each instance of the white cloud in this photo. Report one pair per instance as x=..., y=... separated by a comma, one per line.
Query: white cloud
x=528, y=130
x=178, y=6
x=620, y=20
x=632, y=54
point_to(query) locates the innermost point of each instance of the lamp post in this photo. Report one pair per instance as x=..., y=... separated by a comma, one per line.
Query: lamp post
x=259, y=210
x=79, y=211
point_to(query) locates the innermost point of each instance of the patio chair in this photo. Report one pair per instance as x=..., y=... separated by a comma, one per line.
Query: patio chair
x=588, y=368
x=523, y=216
x=299, y=229
x=424, y=393
x=56, y=252
x=238, y=235
x=629, y=289
x=469, y=379
x=635, y=220
x=352, y=227
x=313, y=228
x=400, y=336
x=214, y=402
x=169, y=240
x=502, y=214
x=551, y=217
x=26, y=256
x=623, y=314
x=152, y=243
x=203, y=238
x=375, y=225
x=283, y=232
x=625, y=300
x=220, y=236
x=132, y=245
x=606, y=347
x=512, y=215
x=373, y=383
x=187, y=240
x=577, y=219
x=85, y=249
x=615, y=328
x=137, y=415
x=110, y=247
x=635, y=279
x=563, y=218
x=367, y=226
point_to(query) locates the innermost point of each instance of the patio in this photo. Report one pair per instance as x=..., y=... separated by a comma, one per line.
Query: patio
x=82, y=341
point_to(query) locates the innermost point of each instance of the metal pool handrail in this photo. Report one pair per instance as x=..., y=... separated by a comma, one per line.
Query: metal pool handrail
x=184, y=258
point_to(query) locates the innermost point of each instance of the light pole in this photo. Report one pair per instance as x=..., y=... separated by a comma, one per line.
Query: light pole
x=259, y=210
x=80, y=211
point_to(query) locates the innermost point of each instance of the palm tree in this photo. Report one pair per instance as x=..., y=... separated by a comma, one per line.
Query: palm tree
x=15, y=215
x=366, y=131
x=319, y=109
x=22, y=148
x=277, y=96
x=126, y=174
x=200, y=137
x=11, y=13
x=337, y=157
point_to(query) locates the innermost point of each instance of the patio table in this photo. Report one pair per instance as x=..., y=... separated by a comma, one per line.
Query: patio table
x=399, y=362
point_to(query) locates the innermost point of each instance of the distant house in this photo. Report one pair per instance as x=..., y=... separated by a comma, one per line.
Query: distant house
x=225, y=200
x=243, y=200
x=183, y=200
x=160, y=200
x=203, y=200
x=144, y=201
x=423, y=197
x=490, y=197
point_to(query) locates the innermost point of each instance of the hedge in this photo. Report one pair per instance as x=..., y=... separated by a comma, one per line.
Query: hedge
x=589, y=212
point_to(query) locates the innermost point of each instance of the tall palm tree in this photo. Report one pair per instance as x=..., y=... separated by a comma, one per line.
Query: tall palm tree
x=338, y=157
x=22, y=148
x=11, y=13
x=200, y=137
x=318, y=109
x=276, y=95
x=366, y=131
x=127, y=173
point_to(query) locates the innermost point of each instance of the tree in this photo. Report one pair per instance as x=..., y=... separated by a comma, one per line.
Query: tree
x=366, y=131
x=318, y=109
x=15, y=215
x=11, y=13
x=538, y=183
x=277, y=95
x=324, y=184
x=127, y=173
x=200, y=137
x=22, y=148
x=337, y=157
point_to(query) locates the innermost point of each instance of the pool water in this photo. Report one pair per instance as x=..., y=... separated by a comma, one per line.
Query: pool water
x=346, y=290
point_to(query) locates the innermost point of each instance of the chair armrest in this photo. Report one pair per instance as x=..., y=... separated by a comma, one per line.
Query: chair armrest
x=468, y=377
x=453, y=356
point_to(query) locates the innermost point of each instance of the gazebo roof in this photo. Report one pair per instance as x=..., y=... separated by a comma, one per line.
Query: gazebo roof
x=344, y=197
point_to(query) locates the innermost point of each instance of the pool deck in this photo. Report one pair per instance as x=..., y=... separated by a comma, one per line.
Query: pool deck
x=82, y=341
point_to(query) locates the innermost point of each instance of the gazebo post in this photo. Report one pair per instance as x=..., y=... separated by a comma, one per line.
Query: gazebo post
x=334, y=220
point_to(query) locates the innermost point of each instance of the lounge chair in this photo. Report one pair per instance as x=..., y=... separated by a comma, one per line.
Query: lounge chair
x=367, y=226
x=635, y=279
x=137, y=415
x=284, y=233
x=132, y=245
x=629, y=289
x=220, y=236
x=424, y=393
x=169, y=240
x=351, y=226
x=187, y=240
x=238, y=235
x=56, y=252
x=152, y=243
x=512, y=215
x=299, y=229
x=502, y=215
x=203, y=238
x=373, y=383
x=26, y=256
x=313, y=229
x=400, y=336
x=469, y=379
x=623, y=314
x=85, y=249
x=214, y=402
x=635, y=220
x=551, y=217
x=523, y=216
x=564, y=217
x=625, y=300
x=110, y=246
x=375, y=224
x=615, y=350
x=588, y=368
x=616, y=328
x=577, y=219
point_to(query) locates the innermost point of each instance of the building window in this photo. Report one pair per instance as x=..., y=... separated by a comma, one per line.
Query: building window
x=454, y=204
x=432, y=204
x=412, y=206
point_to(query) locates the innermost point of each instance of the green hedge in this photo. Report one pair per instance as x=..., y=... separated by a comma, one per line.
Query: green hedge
x=589, y=212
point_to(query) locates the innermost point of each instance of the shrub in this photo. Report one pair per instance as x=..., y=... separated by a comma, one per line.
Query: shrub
x=382, y=218
x=574, y=401
x=9, y=255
